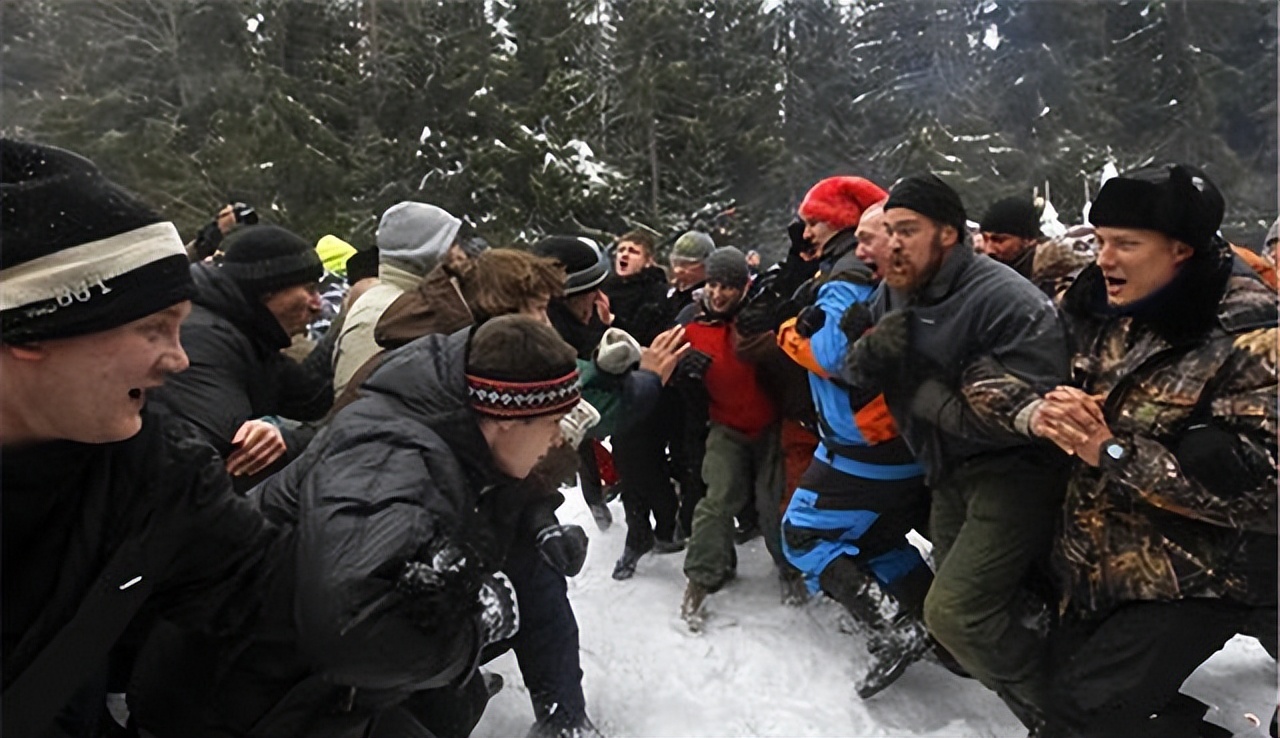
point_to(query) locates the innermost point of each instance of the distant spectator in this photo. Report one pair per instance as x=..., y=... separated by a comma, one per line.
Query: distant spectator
x=209, y=239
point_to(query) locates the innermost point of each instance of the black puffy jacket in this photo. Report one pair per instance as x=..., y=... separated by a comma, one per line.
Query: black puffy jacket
x=237, y=372
x=139, y=529
x=397, y=472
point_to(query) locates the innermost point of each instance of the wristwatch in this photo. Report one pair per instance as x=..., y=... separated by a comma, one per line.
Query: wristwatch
x=1112, y=454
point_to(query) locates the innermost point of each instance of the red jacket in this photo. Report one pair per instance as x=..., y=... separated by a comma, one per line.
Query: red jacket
x=737, y=399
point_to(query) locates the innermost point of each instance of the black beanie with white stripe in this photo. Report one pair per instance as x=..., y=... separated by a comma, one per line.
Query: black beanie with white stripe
x=78, y=253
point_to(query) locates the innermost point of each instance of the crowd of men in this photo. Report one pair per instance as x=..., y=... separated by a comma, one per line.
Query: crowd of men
x=255, y=485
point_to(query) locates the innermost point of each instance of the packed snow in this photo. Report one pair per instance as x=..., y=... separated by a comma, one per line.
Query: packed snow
x=765, y=669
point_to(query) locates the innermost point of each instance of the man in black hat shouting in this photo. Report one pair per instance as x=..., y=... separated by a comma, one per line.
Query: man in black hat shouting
x=93, y=287
x=961, y=346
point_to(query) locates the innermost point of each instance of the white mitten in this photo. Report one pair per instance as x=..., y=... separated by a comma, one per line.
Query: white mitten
x=574, y=426
x=617, y=351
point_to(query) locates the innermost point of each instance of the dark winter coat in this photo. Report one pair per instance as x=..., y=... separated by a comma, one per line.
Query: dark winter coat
x=400, y=471
x=638, y=303
x=237, y=372
x=987, y=340
x=583, y=338
x=159, y=507
x=1190, y=387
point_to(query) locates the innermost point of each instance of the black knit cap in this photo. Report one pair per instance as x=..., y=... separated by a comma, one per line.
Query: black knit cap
x=78, y=253
x=583, y=260
x=1177, y=200
x=266, y=258
x=1016, y=216
x=931, y=197
x=518, y=367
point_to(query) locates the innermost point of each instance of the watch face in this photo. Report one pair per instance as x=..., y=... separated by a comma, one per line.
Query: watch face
x=1115, y=450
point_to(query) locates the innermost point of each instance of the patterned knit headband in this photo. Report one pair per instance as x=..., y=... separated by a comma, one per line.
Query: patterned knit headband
x=500, y=399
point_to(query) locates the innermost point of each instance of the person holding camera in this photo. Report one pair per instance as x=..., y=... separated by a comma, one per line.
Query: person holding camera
x=231, y=216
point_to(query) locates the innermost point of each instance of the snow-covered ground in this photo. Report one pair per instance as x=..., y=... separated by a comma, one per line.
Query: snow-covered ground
x=764, y=669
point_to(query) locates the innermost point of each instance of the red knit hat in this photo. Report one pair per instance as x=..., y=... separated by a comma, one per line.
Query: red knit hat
x=840, y=201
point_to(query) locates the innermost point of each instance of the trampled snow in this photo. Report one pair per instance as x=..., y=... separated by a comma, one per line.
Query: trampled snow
x=765, y=669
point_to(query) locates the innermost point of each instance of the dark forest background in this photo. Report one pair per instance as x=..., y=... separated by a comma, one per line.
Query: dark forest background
x=531, y=116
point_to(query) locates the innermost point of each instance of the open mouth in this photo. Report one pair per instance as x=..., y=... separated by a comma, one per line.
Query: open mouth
x=1115, y=284
x=623, y=263
x=135, y=393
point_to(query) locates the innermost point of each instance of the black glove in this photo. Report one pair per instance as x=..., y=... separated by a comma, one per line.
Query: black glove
x=244, y=213
x=563, y=547
x=877, y=357
x=207, y=241
x=795, y=233
x=693, y=366
x=499, y=612
x=856, y=321
x=810, y=321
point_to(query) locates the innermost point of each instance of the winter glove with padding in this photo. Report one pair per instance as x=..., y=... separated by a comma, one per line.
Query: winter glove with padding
x=875, y=359
x=617, y=352
x=692, y=368
x=856, y=321
x=574, y=425
x=564, y=548
x=810, y=321
x=499, y=611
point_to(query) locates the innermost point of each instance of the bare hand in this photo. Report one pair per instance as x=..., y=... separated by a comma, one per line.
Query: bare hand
x=258, y=444
x=662, y=356
x=1072, y=420
x=602, y=308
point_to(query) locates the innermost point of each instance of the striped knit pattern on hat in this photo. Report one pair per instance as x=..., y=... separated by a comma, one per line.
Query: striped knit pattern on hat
x=78, y=253
x=504, y=399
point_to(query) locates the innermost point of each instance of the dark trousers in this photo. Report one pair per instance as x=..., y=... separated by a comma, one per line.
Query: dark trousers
x=992, y=525
x=589, y=473
x=640, y=455
x=546, y=645
x=1111, y=676
x=546, y=648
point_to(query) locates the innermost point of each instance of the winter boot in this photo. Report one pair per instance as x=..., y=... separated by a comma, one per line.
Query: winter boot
x=625, y=568
x=691, y=609
x=676, y=543
x=600, y=511
x=892, y=651
x=793, y=590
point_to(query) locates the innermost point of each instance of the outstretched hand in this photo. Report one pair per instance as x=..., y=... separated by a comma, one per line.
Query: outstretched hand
x=663, y=355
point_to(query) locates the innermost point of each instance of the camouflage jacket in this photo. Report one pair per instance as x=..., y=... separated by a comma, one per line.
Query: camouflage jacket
x=1147, y=529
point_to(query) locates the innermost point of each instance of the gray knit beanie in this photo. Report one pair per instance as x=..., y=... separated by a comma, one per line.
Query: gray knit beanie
x=728, y=266
x=693, y=246
x=415, y=236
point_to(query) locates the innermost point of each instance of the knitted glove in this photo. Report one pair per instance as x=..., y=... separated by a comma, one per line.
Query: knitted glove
x=563, y=547
x=582, y=418
x=617, y=351
x=499, y=612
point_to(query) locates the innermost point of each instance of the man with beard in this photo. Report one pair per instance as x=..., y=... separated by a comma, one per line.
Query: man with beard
x=961, y=346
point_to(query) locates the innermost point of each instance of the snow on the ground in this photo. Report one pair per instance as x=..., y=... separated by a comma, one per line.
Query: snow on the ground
x=765, y=669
